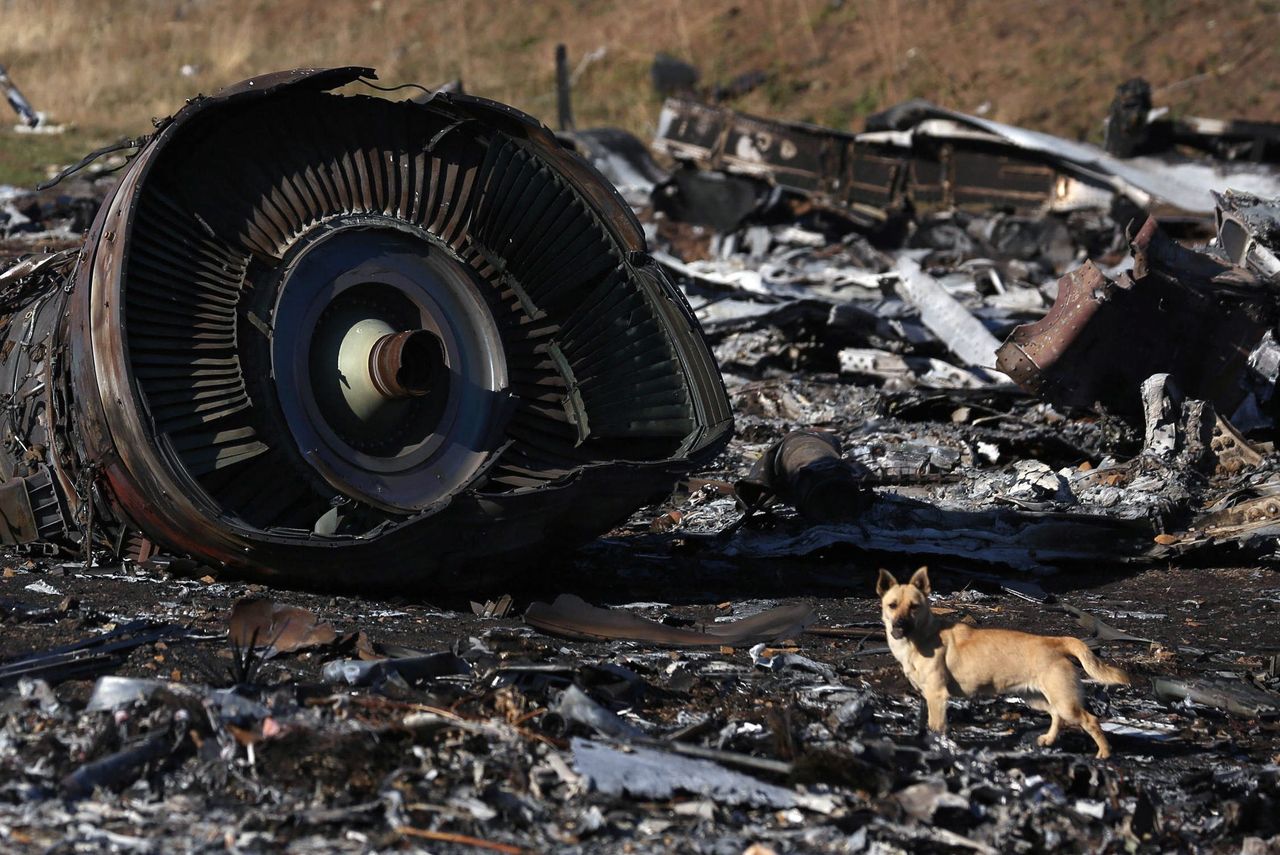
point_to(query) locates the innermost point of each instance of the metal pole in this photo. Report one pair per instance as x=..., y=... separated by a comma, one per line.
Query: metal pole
x=564, y=103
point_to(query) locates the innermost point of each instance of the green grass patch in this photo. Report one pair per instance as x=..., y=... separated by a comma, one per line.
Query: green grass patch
x=28, y=159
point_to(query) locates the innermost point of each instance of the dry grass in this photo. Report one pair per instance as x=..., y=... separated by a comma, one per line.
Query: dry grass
x=109, y=67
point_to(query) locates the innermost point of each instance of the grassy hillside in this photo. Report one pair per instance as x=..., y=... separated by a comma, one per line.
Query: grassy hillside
x=107, y=67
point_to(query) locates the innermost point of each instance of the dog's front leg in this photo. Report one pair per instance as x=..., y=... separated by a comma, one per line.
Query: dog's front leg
x=936, y=699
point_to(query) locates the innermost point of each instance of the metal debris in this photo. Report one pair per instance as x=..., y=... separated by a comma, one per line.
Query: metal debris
x=498, y=608
x=736, y=695
x=89, y=656
x=18, y=101
x=1097, y=630
x=1135, y=127
x=928, y=158
x=572, y=617
x=805, y=469
x=963, y=334
x=1235, y=697
x=275, y=627
x=453, y=383
x=405, y=669
x=649, y=774
x=1177, y=312
x=1081, y=175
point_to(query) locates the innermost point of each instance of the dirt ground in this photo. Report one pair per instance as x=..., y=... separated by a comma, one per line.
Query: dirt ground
x=275, y=757
x=496, y=736
x=1182, y=777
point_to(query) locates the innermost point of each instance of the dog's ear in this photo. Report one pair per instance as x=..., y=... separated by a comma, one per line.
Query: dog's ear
x=884, y=582
x=921, y=580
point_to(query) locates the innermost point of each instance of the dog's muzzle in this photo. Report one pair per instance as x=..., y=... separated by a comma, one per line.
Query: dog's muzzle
x=901, y=628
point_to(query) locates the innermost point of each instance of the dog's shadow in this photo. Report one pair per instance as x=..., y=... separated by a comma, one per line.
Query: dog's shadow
x=681, y=568
x=1009, y=728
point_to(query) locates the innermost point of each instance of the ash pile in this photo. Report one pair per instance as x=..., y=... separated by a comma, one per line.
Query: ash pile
x=1045, y=369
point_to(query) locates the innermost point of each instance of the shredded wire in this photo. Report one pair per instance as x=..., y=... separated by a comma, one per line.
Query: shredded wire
x=90, y=158
x=373, y=85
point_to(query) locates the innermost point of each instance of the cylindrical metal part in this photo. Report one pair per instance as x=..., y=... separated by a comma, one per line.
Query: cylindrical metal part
x=347, y=341
x=564, y=90
x=406, y=364
x=806, y=469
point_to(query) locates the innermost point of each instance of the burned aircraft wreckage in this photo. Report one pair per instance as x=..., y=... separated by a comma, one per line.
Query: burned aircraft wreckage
x=741, y=703
x=348, y=340
x=921, y=158
x=311, y=334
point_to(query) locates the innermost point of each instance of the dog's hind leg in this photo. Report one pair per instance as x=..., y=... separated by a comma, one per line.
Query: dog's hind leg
x=1061, y=688
x=1089, y=722
x=1037, y=701
x=1051, y=735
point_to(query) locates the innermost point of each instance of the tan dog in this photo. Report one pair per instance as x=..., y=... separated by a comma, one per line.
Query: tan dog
x=942, y=659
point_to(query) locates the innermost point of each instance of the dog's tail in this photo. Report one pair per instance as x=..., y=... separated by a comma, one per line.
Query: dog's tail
x=1093, y=666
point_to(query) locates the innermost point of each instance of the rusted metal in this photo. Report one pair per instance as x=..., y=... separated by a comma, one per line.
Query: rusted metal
x=1178, y=312
x=174, y=381
x=1030, y=355
x=405, y=364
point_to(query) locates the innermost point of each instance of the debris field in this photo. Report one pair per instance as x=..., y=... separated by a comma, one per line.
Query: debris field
x=638, y=613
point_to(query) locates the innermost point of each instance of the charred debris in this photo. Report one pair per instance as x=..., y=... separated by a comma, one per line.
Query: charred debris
x=430, y=349
x=424, y=333
x=26, y=113
x=189, y=382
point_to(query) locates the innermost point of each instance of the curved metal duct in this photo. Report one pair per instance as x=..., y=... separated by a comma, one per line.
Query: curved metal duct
x=347, y=340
